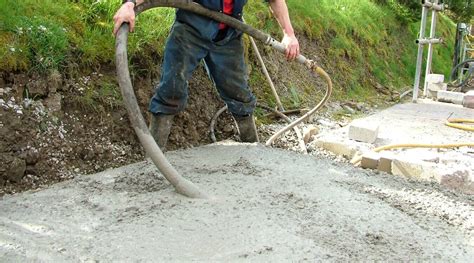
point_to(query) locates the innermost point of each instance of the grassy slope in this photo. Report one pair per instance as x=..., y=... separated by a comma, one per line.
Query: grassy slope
x=30, y=33
x=362, y=42
x=368, y=42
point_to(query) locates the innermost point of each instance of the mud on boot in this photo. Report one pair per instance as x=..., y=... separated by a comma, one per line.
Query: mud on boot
x=160, y=127
x=247, y=128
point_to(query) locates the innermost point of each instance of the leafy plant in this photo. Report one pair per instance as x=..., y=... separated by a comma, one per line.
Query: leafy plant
x=295, y=97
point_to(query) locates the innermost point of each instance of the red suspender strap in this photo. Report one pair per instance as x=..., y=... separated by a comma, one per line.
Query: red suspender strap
x=228, y=8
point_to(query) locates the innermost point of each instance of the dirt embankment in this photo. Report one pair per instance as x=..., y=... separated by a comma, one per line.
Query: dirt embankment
x=54, y=130
x=56, y=126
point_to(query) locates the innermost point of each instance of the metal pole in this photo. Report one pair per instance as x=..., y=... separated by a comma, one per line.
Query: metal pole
x=464, y=50
x=419, y=58
x=430, y=47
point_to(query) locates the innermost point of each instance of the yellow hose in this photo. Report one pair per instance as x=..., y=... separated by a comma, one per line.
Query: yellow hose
x=454, y=124
x=422, y=145
x=450, y=122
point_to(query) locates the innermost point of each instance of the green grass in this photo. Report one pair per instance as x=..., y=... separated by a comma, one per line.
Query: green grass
x=48, y=35
x=35, y=35
x=361, y=42
x=365, y=42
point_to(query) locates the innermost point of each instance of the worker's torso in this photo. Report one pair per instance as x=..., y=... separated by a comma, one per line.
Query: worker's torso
x=207, y=27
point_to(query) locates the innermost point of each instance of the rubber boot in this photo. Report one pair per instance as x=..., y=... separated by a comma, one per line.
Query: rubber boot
x=247, y=129
x=160, y=127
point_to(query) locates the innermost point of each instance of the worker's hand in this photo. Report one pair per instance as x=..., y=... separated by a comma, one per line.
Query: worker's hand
x=292, y=46
x=125, y=14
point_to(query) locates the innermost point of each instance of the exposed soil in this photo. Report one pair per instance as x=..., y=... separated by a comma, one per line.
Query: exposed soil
x=53, y=129
x=268, y=205
x=43, y=143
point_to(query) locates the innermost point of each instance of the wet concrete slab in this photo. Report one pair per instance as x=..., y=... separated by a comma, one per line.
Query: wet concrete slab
x=267, y=205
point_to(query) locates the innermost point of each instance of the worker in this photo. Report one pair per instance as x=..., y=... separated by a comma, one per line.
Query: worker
x=193, y=38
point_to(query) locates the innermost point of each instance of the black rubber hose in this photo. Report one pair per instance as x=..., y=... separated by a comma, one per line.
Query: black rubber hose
x=181, y=185
x=198, y=9
x=191, y=6
x=458, y=67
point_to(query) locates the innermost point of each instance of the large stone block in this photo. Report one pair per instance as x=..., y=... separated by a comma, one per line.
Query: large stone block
x=435, y=78
x=336, y=147
x=363, y=131
x=434, y=88
x=451, y=97
x=468, y=101
x=370, y=160
x=415, y=169
x=385, y=162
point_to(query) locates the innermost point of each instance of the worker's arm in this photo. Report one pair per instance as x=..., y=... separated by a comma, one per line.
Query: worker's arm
x=280, y=12
x=125, y=15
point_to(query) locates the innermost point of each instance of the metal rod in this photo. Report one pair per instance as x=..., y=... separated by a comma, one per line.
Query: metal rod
x=265, y=72
x=429, y=59
x=419, y=58
x=425, y=41
x=434, y=6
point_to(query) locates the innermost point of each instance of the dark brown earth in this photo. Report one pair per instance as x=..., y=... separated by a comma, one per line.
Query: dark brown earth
x=50, y=142
x=68, y=127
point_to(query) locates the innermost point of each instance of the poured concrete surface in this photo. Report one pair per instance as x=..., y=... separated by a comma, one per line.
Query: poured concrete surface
x=269, y=205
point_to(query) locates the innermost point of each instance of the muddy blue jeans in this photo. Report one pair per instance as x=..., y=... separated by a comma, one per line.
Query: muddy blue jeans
x=184, y=50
